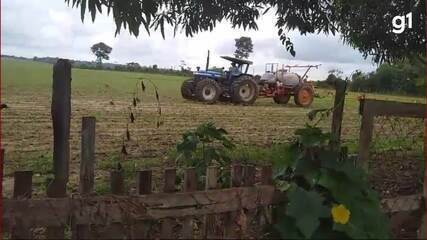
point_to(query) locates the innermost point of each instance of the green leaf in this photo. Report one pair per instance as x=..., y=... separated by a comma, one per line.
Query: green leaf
x=287, y=229
x=82, y=10
x=282, y=186
x=306, y=207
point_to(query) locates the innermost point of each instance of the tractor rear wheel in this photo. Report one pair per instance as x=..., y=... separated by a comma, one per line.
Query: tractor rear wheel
x=282, y=99
x=187, y=89
x=245, y=90
x=207, y=90
x=304, y=95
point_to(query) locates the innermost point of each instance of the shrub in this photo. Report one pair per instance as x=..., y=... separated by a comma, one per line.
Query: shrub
x=205, y=146
x=328, y=197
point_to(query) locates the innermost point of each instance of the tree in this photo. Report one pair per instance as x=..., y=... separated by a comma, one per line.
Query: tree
x=364, y=24
x=133, y=66
x=406, y=77
x=244, y=47
x=101, y=51
x=183, y=65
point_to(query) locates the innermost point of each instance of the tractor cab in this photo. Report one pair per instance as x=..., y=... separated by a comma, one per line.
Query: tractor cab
x=237, y=68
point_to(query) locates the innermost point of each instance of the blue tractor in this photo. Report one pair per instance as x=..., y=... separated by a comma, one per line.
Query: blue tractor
x=234, y=85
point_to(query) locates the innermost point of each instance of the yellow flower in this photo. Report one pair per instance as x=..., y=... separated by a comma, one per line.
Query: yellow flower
x=340, y=214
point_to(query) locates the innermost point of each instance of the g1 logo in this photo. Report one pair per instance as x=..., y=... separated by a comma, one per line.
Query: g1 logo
x=399, y=23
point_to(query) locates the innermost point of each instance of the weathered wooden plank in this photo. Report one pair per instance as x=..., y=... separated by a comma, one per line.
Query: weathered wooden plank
x=140, y=229
x=23, y=181
x=22, y=189
x=107, y=209
x=338, y=113
x=1, y=187
x=236, y=175
x=117, y=182
x=246, y=216
x=87, y=173
x=209, y=221
x=190, y=185
x=249, y=175
x=114, y=230
x=402, y=203
x=266, y=211
x=61, y=112
x=170, y=178
x=266, y=175
x=167, y=224
x=365, y=138
x=61, y=115
x=87, y=152
x=144, y=182
x=230, y=217
x=393, y=108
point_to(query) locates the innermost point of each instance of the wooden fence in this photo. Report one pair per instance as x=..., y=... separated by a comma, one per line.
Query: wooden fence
x=371, y=108
x=191, y=213
x=214, y=213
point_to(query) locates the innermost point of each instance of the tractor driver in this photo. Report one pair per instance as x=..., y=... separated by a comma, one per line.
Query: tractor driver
x=234, y=70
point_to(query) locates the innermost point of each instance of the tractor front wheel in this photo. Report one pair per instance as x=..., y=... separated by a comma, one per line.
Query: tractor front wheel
x=304, y=95
x=208, y=90
x=282, y=99
x=245, y=90
x=187, y=89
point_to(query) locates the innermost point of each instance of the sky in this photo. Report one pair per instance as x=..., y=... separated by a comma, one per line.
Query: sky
x=51, y=28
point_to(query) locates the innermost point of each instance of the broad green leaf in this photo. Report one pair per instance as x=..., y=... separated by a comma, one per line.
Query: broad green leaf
x=306, y=207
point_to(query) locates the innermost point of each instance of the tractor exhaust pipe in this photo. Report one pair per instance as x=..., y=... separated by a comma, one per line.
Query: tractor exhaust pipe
x=207, y=61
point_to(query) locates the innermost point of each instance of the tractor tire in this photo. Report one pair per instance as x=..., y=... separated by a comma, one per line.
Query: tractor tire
x=304, y=95
x=187, y=89
x=244, y=90
x=207, y=91
x=282, y=99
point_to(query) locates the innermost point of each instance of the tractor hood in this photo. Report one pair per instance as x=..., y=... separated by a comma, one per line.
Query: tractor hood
x=208, y=73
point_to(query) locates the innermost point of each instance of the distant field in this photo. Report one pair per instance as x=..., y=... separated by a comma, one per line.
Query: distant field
x=27, y=133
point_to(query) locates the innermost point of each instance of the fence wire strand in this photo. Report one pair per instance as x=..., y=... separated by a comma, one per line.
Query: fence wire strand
x=397, y=169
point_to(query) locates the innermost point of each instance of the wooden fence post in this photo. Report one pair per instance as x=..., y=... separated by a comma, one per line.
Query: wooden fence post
x=144, y=182
x=190, y=185
x=114, y=230
x=22, y=189
x=61, y=112
x=87, y=161
x=87, y=172
x=1, y=190
x=167, y=224
x=266, y=175
x=266, y=179
x=365, y=137
x=230, y=217
x=247, y=215
x=209, y=221
x=337, y=115
x=117, y=183
x=140, y=229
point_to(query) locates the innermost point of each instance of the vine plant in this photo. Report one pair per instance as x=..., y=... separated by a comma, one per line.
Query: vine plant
x=131, y=110
x=328, y=197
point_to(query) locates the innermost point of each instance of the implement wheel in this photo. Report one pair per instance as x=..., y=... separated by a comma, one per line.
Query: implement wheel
x=245, y=90
x=208, y=91
x=282, y=99
x=187, y=89
x=304, y=95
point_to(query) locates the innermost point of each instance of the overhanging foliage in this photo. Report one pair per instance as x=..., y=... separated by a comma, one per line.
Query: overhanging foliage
x=364, y=24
